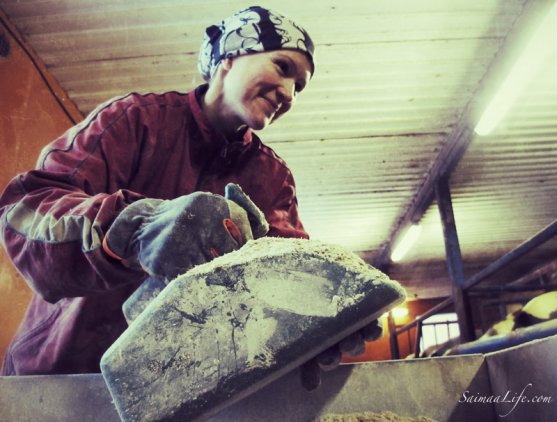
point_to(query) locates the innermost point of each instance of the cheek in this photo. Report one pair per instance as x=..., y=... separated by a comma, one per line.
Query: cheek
x=235, y=96
x=244, y=92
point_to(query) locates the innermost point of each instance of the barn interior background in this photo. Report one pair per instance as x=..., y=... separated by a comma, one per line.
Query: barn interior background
x=385, y=130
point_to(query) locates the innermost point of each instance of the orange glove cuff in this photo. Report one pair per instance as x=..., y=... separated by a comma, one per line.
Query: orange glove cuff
x=109, y=252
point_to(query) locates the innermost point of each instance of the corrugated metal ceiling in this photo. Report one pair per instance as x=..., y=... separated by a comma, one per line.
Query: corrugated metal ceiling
x=394, y=80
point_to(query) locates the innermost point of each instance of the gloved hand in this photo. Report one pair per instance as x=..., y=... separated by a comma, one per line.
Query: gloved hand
x=353, y=345
x=166, y=238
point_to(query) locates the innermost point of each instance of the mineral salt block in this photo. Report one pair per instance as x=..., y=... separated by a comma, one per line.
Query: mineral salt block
x=227, y=328
x=138, y=300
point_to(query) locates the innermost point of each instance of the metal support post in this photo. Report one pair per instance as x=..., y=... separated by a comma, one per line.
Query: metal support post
x=395, y=353
x=418, y=339
x=454, y=260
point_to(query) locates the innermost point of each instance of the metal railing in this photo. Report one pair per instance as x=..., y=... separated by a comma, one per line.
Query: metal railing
x=538, y=239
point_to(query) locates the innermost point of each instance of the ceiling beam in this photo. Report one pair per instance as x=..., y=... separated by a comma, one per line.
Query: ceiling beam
x=460, y=138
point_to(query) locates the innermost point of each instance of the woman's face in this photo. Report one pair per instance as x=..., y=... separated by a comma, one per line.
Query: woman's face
x=258, y=88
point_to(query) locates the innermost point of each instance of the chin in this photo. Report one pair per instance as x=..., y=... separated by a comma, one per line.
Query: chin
x=259, y=124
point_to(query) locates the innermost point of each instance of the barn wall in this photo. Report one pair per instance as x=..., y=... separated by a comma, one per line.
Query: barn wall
x=33, y=111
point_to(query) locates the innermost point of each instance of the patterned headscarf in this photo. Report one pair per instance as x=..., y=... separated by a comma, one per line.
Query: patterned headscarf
x=251, y=30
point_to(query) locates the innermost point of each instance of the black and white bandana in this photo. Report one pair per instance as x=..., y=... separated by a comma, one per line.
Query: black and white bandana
x=251, y=30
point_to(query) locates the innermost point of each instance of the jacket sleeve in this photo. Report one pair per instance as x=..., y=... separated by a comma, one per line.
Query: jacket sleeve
x=283, y=217
x=53, y=219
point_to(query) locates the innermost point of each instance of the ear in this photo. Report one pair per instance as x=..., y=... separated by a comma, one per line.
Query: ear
x=222, y=69
x=227, y=63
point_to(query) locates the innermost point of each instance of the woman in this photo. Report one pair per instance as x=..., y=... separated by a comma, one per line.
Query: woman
x=110, y=197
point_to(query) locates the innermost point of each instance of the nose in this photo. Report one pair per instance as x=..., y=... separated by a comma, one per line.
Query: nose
x=287, y=91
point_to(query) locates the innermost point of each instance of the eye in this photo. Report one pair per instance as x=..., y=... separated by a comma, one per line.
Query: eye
x=287, y=69
x=283, y=66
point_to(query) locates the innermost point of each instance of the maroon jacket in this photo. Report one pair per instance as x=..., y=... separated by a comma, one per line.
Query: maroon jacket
x=53, y=219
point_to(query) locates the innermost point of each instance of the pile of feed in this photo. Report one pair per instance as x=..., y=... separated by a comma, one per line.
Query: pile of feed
x=371, y=417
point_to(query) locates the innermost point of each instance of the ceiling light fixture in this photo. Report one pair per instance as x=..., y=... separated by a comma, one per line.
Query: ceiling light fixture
x=538, y=49
x=407, y=240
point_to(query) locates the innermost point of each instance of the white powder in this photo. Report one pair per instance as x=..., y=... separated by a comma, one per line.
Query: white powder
x=267, y=247
x=258, y=330
x=302, y=297
x=264, y=249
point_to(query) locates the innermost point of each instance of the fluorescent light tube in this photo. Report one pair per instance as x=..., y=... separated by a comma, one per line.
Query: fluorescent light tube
x=407, y=240
x=540, y=47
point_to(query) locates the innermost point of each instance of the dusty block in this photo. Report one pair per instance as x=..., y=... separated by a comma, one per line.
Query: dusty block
x=144, y=295
x=225, y=329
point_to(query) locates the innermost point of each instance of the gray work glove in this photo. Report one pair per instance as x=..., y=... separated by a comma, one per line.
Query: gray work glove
x=166, y=238
x=353, y=345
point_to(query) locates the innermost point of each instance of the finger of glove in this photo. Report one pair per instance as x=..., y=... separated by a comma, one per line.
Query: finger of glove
x=258, y=223
x=185, y=232
x=329, y=359
x=310, y=375
x=353, y=345
x=373, y=331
